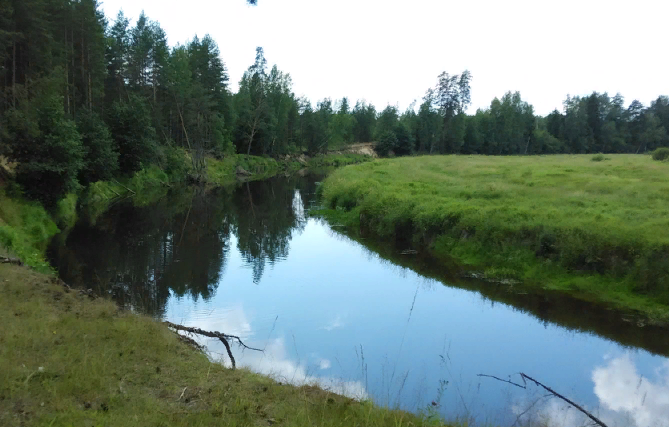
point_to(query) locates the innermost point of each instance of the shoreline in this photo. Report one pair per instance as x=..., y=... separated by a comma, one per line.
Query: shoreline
x=384, y=201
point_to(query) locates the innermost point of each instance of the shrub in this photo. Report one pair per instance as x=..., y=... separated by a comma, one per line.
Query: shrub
x=47, y=147
x=130, y=125
x=661, y=154
x=598, y=157
x=387, y=143
x=101, y=161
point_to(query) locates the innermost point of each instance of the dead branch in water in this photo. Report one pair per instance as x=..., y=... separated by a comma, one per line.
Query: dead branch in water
x=221, y=336
x=504, y=381
x=556, y=394
x=551, y=391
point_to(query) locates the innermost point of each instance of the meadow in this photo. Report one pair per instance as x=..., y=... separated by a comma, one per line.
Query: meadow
x=593, y=226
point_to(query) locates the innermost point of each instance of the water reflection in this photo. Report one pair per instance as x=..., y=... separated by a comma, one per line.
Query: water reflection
x=275, y=361
x=143, y=254
x=625, y=398
x=359, y=317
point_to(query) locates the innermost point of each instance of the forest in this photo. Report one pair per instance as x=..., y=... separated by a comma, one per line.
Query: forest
x=84, y=99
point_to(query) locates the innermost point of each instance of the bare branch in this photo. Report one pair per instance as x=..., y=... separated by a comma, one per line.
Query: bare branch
x=504, y=381
x=556, y=394
x=223, y=337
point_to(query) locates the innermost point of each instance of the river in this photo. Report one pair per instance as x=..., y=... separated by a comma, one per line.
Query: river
x=364, y=318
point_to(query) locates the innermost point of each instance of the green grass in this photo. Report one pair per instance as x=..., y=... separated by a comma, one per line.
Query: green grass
x=68, y=361
x=25, y=230
x=224, y=172
x=597, y=230
x=336, y=160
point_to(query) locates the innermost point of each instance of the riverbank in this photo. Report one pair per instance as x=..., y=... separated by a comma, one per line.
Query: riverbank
x=26, y=227
x=594, y=230
x=68, y=360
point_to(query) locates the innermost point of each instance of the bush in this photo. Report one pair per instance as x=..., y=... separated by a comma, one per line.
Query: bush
x=101, y=161
x=661, y=154
x=387, y=143
x=598, y=158
x=47, y=148
x=130, y=125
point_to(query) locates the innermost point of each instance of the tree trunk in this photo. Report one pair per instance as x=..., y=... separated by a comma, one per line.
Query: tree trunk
x=14, y=75
x=67, y=77
x=74, y=70
x=83, y=67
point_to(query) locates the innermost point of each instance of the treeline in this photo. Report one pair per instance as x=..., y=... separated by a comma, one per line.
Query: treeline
x=83, y=99
x=592, y=124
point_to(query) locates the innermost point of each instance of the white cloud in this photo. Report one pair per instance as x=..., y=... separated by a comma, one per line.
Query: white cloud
x=336, y=323
x=621, y=389
x=626, y=399
x=274, y=361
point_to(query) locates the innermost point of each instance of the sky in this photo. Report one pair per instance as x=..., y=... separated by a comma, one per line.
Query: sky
x=391, y=52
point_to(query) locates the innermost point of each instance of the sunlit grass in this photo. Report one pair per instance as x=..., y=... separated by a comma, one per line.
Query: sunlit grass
x=598, y=228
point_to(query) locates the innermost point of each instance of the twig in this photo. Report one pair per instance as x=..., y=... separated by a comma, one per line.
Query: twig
x=124, y=187
x=504, y=381
x=223, y=337
x=556, y=394
x=182, y=394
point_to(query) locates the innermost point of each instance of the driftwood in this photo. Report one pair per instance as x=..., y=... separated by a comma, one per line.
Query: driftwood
x=6, y=260
x=551, y=391
x=223, y=337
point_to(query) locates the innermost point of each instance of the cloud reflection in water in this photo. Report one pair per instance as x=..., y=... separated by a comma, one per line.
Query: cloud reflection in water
x=275, y=362
x=626, y=399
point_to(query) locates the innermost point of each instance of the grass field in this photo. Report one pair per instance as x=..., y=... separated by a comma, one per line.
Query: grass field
x=68, y=361
x=598, y=229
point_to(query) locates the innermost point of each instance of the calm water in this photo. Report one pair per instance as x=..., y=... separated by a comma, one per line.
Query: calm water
x=361, y=318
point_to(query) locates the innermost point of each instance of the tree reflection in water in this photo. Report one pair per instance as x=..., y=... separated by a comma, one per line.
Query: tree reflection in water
x=179, y=246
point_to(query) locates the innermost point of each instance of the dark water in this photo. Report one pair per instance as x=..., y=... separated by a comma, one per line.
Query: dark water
x=361, y=318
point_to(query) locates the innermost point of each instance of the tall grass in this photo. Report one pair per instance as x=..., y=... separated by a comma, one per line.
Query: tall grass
x=598, y=229
x=25, y=230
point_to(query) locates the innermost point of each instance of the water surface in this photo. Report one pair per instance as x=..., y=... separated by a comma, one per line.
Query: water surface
x=359, y=317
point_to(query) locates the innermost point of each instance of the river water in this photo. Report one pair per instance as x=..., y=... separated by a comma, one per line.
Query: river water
x=363, y=318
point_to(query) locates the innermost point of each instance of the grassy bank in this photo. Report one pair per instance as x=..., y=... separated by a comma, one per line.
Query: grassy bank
x=595, y=229
x=66, y=360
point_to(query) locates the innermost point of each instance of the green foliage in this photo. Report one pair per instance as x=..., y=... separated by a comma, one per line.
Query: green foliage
x=661, y=154
x=65, y=213
x=47, y=148
x=130, y=126
x=25, y=230
x=101, y=159
x=551, y=221
x=387, y=143
x=599, y=158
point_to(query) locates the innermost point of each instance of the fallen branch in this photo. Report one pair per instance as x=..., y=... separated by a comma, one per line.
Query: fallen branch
x=223, y=337
x=556, y=394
